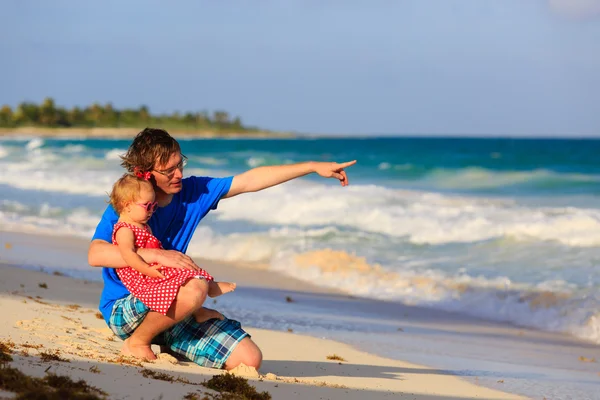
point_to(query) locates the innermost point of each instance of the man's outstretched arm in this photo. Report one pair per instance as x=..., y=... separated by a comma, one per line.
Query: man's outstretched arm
x=104, y=254
x=265, y=177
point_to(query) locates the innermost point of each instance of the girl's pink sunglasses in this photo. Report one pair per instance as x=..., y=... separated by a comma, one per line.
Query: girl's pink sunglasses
x=150, y=206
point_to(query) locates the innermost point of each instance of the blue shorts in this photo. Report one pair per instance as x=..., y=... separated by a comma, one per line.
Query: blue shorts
x=208, y=344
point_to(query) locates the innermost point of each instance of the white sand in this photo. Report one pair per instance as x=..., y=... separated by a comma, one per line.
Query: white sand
x=63, y=318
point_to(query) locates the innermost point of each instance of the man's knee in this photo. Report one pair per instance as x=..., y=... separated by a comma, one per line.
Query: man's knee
x=246, y=352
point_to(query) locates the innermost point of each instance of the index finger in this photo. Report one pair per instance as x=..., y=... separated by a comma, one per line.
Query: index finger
x=347, y=164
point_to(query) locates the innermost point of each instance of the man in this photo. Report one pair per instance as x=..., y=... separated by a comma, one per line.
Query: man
x=218, y=342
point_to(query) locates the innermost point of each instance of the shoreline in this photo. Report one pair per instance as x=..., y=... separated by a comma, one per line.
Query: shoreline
x=59, y=313
x=117, y=133
x=480, y=352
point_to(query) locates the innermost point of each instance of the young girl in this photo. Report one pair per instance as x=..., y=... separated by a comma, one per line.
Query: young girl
x=133, y=199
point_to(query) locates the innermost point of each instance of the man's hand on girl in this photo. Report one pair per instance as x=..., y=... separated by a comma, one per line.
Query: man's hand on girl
x=175, y=259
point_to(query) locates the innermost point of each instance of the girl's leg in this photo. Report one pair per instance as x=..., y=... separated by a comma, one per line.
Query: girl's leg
x=202, y=314
x=190, y=298
x=218, y=288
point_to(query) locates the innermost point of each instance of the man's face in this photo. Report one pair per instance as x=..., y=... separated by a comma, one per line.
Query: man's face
x=168, y=177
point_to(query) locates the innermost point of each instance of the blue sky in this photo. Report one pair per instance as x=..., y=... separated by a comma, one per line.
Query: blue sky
x=458, y=67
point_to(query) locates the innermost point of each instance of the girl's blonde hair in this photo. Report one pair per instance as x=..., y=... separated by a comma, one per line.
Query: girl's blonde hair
x=125, y=190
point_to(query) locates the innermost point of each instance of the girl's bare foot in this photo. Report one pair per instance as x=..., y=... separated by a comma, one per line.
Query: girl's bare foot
x=204, y=314
x=141, y=351
x=218, y=288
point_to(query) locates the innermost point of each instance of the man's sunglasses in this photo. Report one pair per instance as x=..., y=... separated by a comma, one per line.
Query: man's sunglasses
x=171, y=171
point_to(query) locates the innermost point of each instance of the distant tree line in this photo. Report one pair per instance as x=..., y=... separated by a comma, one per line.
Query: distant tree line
x=48, y=114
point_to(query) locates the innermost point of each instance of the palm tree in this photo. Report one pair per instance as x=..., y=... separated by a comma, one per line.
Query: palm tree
x=221, y=118
x=94, y=114
x=48, y=115
x=76, y=116
x=110, y=117
x=26, y=114
x=6, y=116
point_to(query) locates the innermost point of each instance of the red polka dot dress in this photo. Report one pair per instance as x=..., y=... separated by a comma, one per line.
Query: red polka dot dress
x=157, y=293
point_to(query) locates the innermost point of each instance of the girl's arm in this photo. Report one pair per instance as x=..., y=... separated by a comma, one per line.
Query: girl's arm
x=104, y=254
x=126, y=245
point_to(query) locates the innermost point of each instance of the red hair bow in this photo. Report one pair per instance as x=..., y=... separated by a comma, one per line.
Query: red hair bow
x=143, y=175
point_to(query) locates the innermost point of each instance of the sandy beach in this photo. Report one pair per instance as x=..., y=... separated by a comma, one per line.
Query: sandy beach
x=45, y=313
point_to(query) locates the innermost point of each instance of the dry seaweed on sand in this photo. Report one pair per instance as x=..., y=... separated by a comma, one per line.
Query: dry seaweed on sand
x=586, y=359
x=233, y=387
x=94, y=369
x=28, y=345
x=161, y=376
x=37, y=300
x=61, y=382
x=335, y=357
x=50, y=355
x=13, y=380
x=50, y=387
x=6, y=348
x=5, y=357
x=126, y=360
x=212, y=396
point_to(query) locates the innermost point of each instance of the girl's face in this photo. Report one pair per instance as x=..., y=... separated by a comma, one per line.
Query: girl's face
x=144, y=206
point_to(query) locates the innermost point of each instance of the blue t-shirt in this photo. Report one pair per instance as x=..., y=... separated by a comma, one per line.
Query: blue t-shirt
x=173, y=225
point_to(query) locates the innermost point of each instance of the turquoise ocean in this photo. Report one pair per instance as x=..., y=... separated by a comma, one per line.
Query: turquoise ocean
x=503, y=229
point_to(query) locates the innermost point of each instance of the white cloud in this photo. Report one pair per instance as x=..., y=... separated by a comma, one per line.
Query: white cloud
x=576, y=8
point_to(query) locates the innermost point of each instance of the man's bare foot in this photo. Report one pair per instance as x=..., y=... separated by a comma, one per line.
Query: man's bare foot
x=204, y=314
x=218, y=288
x=141, y=351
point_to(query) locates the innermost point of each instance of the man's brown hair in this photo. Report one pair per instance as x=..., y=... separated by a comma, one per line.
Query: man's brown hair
x=150, y=147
